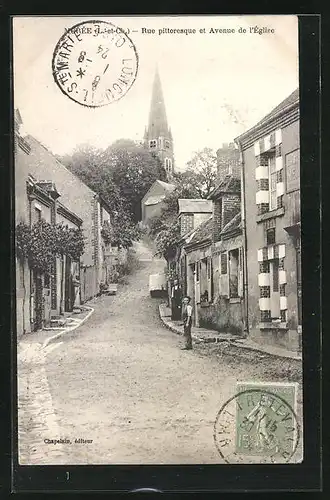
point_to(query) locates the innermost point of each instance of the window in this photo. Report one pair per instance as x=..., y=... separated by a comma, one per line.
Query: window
x=152, y=143
x=223, y=262
x=209, y=263
x=272, y=182
x=233, y=272
x=37, y=214
x=292, y=167
x=209, y=279
x=167, y=144
x=197, y=266
x=270, y=236
x=275, y=312
x=168, y=164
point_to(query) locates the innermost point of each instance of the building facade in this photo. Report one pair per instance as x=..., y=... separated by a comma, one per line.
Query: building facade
x=227, y=312
x=271, y=224
x=47, y=190
x=158, y=136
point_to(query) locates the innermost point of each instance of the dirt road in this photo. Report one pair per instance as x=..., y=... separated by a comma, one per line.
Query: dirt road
x=122, y=382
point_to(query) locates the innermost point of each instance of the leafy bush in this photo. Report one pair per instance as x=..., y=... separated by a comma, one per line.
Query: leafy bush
x=42, y=242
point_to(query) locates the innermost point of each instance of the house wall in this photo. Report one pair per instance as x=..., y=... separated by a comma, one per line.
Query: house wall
x=75, y=195
x=224, y=314
x=42, y=165
x=189, y=221
x=224, y=209
x=256, y=230
x=150, y=211
x=24, y=303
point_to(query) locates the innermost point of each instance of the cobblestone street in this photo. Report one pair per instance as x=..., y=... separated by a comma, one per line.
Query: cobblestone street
x=121, y=383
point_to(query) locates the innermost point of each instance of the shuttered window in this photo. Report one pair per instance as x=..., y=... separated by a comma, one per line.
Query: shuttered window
x=224, y=262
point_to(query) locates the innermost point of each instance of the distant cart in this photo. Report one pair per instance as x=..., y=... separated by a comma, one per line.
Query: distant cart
x=157, y=285
x=109, y=289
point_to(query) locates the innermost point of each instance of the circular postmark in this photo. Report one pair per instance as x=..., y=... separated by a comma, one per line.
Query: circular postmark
x=95, y=63
x=256, y=426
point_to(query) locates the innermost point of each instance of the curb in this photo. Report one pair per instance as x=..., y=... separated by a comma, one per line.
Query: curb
x=236, y=343
x=70, y=329
x=198, y=340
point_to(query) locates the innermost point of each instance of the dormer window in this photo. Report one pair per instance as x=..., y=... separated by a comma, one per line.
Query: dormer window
x=153, y=143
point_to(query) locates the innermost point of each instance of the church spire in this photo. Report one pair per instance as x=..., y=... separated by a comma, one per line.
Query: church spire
x=158, y=137
x=157, y=117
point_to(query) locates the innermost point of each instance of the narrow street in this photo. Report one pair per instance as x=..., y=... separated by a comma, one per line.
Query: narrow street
x=122, y=382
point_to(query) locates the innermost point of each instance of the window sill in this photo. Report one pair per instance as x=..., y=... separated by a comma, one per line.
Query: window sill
x=270, y=215
x=273, y=326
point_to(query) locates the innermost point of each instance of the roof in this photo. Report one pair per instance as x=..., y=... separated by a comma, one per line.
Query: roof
x=153, y=200
x=229, y=184
x=233, y=225
x=166, y=185
x=286, y=104
x=158, y=125
x=195, y=205
x=203, y=232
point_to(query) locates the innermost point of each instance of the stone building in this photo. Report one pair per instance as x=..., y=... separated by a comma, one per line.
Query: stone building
x=270, y=153
x=227, y=311
x=44, y=188
x=158, y=136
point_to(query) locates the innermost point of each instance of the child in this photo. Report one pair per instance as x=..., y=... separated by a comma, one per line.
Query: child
x=187, y=322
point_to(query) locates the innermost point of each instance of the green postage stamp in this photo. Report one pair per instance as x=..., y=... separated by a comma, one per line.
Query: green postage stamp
x=259, y=424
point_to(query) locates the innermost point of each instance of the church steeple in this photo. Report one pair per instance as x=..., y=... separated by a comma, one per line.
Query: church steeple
x=158, y=137
x=157, y=116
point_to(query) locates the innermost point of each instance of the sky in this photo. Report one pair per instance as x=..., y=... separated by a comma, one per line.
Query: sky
x=215, y=85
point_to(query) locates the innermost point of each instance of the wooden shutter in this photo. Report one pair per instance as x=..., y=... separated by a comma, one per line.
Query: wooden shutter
x=224, y=275
x=240, y=272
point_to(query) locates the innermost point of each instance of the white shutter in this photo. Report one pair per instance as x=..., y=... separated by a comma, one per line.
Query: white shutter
x=240, y=272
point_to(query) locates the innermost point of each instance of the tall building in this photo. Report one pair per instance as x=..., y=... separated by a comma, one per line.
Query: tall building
x=158, y=137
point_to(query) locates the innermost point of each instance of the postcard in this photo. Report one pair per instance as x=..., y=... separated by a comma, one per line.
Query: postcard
x=157, y=236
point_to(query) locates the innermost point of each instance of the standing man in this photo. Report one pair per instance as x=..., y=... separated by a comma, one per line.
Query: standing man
x=176, y=301
x=187, y=322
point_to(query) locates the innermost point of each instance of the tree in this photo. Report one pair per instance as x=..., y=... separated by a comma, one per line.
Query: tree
x=134, y=170
x=121, y=175
x=202, y=172
x=167, y=240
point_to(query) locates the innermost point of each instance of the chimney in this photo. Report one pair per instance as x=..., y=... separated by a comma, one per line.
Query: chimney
x=228, y=162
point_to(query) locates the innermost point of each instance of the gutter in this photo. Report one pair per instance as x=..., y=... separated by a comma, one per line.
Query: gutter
x=243, y=222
